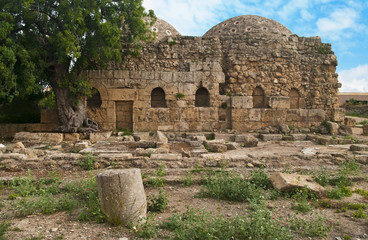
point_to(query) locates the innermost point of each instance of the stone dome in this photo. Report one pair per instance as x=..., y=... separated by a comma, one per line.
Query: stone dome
x=163, y=29
x=247, y=23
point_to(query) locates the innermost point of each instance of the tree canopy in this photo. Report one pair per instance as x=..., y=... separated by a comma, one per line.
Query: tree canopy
x=50, y=42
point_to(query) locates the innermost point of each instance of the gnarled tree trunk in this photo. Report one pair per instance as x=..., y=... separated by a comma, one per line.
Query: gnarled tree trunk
x=71, y=111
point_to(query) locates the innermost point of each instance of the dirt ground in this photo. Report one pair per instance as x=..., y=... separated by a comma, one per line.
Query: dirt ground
x=64, y=225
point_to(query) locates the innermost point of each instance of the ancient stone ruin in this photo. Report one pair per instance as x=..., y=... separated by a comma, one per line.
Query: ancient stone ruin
x=246, y=73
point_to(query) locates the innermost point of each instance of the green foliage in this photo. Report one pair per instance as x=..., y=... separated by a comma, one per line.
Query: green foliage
x=224, y=105
x=359, y=214
x=322, y=49
x=361, y=192
x=147, y=230
x=352, y=138
x=158, y=203
x=314, y=227
x=157, y=180
x=199, y=224
x=3, y=228
x=322, y=177
x=48, y=101
x=341, y=205
x=88, y=162
x=231, y=186
x=48, y=196
x=346, y=169
x=126, y=132
x=179, y=95
x=261, y=179
x=339, y=193
x=188, y=180
x=47, y=42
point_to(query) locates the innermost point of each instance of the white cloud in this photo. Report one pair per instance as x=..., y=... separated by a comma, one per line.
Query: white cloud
x=339, y=21
x=355, y=79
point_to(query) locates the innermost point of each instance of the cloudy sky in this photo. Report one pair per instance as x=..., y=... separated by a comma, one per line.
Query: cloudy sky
x=344, y=24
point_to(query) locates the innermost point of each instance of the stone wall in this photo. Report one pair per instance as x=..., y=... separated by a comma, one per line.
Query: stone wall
x=289, y=70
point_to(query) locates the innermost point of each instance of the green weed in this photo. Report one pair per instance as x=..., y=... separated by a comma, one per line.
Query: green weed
x=322, y=177
x=339, y=193
x=361, y=192
x=188, y=180
x=88, y=162
x=158, y=203
x=3, y=228
x=359, y=214
x=157, y=180
x=314, y=227
x=147, y=230
x=352, y=138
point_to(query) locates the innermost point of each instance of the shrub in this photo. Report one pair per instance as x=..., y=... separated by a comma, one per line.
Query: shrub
x=339, y=193
x=158, y=203
x=261, y=179
x=88, y=162
x=314, y=227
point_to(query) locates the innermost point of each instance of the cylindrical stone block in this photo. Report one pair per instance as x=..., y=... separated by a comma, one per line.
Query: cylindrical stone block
x=122, y=196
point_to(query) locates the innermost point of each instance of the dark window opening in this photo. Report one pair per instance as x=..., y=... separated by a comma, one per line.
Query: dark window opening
x=158, y=98
x=294, y=99
x=95, y=100
x=258, y=98
x=202, y=98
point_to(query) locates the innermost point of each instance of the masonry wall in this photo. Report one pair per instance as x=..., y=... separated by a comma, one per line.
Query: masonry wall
x=230, y=68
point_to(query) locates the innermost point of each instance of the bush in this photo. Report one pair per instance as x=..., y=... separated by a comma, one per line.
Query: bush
x=88, y=162
x=158, y=203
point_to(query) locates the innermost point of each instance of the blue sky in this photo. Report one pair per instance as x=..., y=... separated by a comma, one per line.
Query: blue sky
x=344, y=24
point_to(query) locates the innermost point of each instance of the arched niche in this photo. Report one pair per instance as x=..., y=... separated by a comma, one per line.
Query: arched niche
x=294, y=98
x=259, y=98
x=202, y=97
x=158, y=99
x=95, y=100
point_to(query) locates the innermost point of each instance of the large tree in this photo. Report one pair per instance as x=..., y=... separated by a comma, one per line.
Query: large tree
x=51, y=43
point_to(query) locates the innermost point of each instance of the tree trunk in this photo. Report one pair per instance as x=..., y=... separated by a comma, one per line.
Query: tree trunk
x=71, y=111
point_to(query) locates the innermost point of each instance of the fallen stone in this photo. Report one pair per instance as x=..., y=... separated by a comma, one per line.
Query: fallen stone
x=363, y=159
x=232, y=146
x=99, y=136
x=81, y=145
x=284, y=129
x=349, y=121
x=216, y=147
x=17, y=145
x=309, y=151
x=345, y=130
x=166, y=157
x=185, y=153
x=365, y=129
x=160, y=137
x=197, y=152
x=246, y=140
x=299, y=137
x=122, y=196
x=200, y=138
x=271, y=137
x=28, y=137
x=288, y=182
x=359, y=147
x=129, y=138
x=333, y=128
x=195, y=143
x=71, y=137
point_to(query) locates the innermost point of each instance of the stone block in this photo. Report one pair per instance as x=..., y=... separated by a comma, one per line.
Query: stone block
x=271, y=137
x=122, y=196
x=299, y=136
x=239, y=114
x=197, y=152
x=349, y=121
x=359, y=147
x=232, y=146
x=345, y=130
x=71, y=137
x=216, y=147
x=160, y=137
x=166, y=157
x=338, y=114
x=242, y=102
x=365, y=130
x=279, y=102
x=254, y=114
x=316, y=115
x=99, y=136
x=333, y=128
x=51, y=138
x=289, y=182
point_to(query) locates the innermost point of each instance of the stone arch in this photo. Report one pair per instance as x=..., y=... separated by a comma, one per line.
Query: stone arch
x=202, y=97
x=294, y=96
x=259, y=100
x=158, y=99
x=95, y=100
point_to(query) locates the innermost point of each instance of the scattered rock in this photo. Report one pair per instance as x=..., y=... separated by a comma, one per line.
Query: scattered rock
x=333, y=128
x=160, y=137
x=35, y=138
x=185, y=153
x=128, y=138
x=345, y=130
x=271, y=137
x=349, y=121
x=81, y=145
x=284, y=129
x=17, y=145
x=232, y=146
x=365, y=129
x=71, y=137
x=99, y=136
x=216, y=147
x=287, y=182
x=359, y=147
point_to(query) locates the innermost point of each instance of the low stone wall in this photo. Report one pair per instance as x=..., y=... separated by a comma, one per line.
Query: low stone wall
x=9, y=130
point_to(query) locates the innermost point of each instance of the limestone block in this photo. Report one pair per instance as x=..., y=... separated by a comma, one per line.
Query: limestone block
x=99, y=136
x=219, y=77
x=299, y=136
x=197, y=152
x=287, y=182
x=51, y=138
x=71, y=137
x=345, y=130
x=365, y=130
x=17, y=145
x=232, y=146
x=122, y=196
x=216, y=147
x=239, y=114
x=160, y=137
x=81, y=145
x=338, y=114
x=254, y=114
x=333, y=127
x=183, y=77
x=293, y=115
x=165, y=128
x=166, y=157
x=242, y=102
x=284, y=128
x=316, y=115
x=267, y=115
x=349, y=121
x=359, y=147
x=271, y=137
x=281, y=102
x=279, y=115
